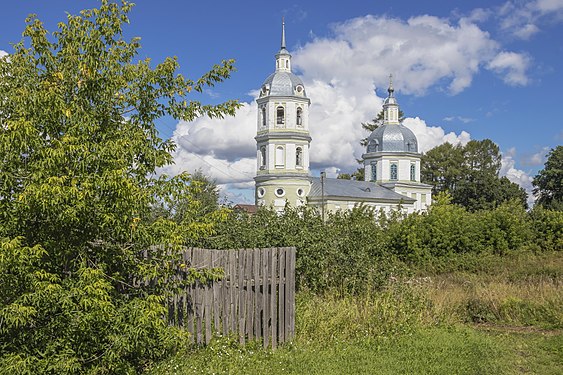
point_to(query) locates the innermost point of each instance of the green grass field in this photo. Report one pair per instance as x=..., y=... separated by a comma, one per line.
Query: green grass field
x=503, y=317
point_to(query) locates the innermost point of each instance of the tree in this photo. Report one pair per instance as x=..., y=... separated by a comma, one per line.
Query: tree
x=78, y=151
x=470, y=174
x=549, y=181
x=442, y=167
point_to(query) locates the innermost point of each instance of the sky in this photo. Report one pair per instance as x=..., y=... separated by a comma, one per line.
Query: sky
x=462, y=70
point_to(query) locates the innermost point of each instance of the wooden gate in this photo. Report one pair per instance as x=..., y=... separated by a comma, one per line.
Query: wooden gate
x=254, y=300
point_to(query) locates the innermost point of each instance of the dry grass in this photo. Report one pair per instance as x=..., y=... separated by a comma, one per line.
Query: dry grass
x=524, y=290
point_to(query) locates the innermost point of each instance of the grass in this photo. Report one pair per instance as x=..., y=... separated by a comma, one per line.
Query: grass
x=437, y=350
x=501, y=316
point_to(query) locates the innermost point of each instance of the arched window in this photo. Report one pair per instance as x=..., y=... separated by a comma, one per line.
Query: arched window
x=299, y=119
x=374, y=171
x=280, y=115
x=299, y=157
x=263, y=116
x=262, y=157
x=280, y=157
x=286, y=63
x=393, y=172
x=413, y=172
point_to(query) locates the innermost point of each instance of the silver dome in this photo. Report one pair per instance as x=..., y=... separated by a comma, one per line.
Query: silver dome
x=283, y=84
x=393, y=138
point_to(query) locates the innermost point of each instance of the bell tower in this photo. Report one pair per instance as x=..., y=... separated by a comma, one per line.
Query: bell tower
x=282, y=137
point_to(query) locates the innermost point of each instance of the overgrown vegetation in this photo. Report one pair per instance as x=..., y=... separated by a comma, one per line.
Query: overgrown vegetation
x=504, y=316
x=80, y=204
x=79, y=198
x=359, y=251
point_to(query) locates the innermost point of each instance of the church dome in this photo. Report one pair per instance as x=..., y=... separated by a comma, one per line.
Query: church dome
x=283, y=84
x=392, y=138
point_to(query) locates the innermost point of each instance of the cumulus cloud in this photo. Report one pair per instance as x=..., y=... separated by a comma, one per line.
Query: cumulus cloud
x=523, y=19
x=536, y=159
x=513, y=65
x=432, y=136
x=515, y=175
x=422, y=51
x=223, y=149
x=346, y=87
x=3, y=53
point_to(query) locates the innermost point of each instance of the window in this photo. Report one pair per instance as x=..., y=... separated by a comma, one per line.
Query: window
x=280, y=114
x=299, y=157
x=300, y=192
x=262, y=157
x=299, y=119
x=280, y=192
x=280, y=156
x=393, y=172
x=263, y=116
x=413, y=172
x=374, y=171
x=287, y=63
x=261, y=192
x=372, y=145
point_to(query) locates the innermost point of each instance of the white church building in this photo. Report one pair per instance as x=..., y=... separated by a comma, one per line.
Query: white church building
x=391, y=160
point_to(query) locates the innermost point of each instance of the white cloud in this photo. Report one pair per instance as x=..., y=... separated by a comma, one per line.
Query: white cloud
x=523, y=19
x=515, y=175
x=3, y=53
x=223, y=149
x=465, y=120
x=513, y=65
x=421, y=52
x=432, y=136
x=536, y=159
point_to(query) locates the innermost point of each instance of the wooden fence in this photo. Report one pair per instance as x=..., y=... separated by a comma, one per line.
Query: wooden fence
x=254, y=300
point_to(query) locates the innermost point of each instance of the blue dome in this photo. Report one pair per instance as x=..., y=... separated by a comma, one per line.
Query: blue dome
x=392, y=138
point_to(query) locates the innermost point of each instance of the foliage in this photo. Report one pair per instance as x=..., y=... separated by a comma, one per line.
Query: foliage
x=346, y=253
x=547, y=226
x=359, y=251
x=470, y=174
x=416, y=325
x=549, y=181
x=79, y=151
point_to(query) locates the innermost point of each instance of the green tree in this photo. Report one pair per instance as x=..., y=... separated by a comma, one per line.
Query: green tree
x=442, y=167
x=470, y=174
x=549, y=181
x=79, y=150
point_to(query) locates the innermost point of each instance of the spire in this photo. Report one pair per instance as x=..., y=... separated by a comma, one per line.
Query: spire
x=390, y=106
x=390, y=90
x=283, y=58
x=283, y=34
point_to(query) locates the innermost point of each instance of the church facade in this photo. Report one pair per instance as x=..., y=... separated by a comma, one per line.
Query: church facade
x=391, y=160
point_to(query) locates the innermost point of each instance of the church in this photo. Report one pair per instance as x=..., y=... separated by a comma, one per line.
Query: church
x=391, y=159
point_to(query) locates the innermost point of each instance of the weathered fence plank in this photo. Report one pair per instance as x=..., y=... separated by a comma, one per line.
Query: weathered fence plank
x=255, y=298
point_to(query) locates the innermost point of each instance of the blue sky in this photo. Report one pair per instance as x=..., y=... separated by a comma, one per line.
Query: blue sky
x=463, y=70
